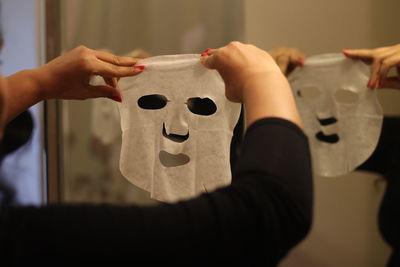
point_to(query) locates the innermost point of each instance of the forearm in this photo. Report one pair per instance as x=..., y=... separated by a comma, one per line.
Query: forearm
x=23, y=91
x=269, y=95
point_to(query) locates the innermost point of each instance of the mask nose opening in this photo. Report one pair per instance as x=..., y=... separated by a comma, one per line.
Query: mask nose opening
x=175, y=137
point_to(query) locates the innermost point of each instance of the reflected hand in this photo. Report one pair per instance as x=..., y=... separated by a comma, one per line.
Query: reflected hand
x=382, y=59
x=287, y=58
x=68, y=76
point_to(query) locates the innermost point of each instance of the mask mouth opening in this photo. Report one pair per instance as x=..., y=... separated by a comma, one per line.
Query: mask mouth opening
x=171, y=160
x=175, y=137
x=331, y=138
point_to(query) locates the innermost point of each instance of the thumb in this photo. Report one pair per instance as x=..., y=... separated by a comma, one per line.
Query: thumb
x=105, y=91
x=208, y=61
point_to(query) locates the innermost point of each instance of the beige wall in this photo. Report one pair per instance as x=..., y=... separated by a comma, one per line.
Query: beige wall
x=345, y=232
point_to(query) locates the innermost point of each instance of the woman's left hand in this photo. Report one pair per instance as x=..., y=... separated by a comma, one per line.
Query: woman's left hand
x=68, y=76
x=287, y=58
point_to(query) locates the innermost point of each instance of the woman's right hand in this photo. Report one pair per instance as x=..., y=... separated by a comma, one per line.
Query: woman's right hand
x=237, y=64
x=382, y=59
x=252, y=77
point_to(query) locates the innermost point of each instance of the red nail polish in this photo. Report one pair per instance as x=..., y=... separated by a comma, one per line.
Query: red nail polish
x=203, y=54
x=208, y=49
x=117, y=98
x=141, y=67
x=369, y=84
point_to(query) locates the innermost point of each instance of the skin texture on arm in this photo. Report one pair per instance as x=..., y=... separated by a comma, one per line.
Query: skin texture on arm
x=252, y=77
x=67, y=77
x=381, y=59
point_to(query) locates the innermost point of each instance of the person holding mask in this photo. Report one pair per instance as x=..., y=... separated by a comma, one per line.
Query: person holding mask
x=263, y=214
x=386, y=158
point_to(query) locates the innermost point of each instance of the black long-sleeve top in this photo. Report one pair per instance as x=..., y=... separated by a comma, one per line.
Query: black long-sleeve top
x=257, y=219
x=386, y=161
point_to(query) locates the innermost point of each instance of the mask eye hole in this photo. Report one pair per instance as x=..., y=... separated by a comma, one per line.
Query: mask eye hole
x=310, y=93
x=343, y=96
x=201, y=106
x=152, y=101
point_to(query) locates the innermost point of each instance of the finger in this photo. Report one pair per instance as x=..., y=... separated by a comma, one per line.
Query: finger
x=116, y=60
x=283, y=62
x=387, y=64
x=208, y=58
x=297, y=57
x=104, y=91
x=108, y=70
x=391, y=82
x=358, y=53
x=111, y=81
x=375, y=66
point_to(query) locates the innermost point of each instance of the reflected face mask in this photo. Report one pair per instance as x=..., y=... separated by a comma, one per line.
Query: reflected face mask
x=176, y=128
x=342, y=117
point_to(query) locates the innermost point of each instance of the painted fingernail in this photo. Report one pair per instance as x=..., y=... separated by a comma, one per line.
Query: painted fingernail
x=208, y=49
x=203, y=54
x=369, y=84
x=117, y=98
x=141, y=67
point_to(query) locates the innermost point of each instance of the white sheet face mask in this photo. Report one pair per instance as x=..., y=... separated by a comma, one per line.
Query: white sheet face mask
x=341, y=116
x=176, y=128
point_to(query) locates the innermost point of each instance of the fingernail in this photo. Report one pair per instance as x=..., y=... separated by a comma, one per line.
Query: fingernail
x=203, y=54
x=117, y=98
x=141, y=67
x=369, y=84
x=208, y=49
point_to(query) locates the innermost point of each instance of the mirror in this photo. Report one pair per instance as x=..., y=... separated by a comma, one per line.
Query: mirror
x=91, y=130
x=345, y=231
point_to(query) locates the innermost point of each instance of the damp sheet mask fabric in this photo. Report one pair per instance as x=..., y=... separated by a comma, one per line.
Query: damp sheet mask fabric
x=342, y=117
x=176, y=128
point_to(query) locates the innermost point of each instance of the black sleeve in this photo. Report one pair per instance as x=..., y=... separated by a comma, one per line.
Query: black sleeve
x=257, y=219
x=385, y=159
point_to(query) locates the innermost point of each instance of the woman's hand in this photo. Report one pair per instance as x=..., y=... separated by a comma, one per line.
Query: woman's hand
x=238, y=64
x=287, y=58
x=68, y=76
x=382, y=59
x=252, y=77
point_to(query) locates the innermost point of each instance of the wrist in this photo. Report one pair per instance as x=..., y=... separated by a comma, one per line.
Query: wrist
x=258, y=85
x=40, y=83
x=269, y=95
